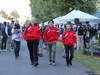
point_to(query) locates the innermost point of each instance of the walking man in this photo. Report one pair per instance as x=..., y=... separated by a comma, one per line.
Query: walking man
x=32, y=35
x=51, y=35
x=4, y=40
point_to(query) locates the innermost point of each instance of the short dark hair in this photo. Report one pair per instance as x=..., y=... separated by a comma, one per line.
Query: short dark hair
x=68, y=22
x=80, y=24
x=52, y=21
x=8, y=22
x=87, y=21
x=4, y=23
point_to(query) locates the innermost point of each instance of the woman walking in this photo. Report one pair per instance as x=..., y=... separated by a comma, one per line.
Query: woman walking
x=69, y=39
x=17, y=40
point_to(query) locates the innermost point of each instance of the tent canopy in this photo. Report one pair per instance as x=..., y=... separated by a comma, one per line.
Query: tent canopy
x=78, y=14
x=3, y=19
x=61, y=21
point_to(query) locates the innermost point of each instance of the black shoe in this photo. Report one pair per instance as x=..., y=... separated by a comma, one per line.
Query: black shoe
x=68, y=65
x=32, y=63
x=36, y=64
x=70, y=62
x=15, y=57
x=67, y=61
x=18, y=56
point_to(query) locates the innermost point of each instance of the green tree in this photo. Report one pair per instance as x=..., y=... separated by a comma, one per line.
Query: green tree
x=45, y=10
x=27, y=20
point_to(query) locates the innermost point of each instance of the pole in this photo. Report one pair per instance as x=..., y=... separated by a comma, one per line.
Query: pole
x=91, y=57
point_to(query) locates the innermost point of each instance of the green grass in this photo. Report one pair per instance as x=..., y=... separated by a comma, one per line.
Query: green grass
x=85, y=60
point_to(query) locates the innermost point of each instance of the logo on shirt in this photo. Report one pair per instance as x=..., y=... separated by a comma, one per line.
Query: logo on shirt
x=48, y=31
x=29, y=28
x=66, y=35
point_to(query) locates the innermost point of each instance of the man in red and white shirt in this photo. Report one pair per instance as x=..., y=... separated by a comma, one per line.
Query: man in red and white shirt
x=32, y=35
x=51, y=35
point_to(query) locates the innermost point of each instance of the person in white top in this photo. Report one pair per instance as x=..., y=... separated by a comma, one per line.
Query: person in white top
x=17, y=40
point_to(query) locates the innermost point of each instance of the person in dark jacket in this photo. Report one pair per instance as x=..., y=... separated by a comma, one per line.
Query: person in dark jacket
x=23, y=28
x=42, y=40
x=0, y=38
x=61, y=30
x=80, y=37
x=4, y=34
x=9, y=36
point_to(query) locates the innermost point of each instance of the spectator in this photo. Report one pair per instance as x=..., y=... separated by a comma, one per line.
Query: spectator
x=4, y=39
x=9, y=35
x=87, y=39
x=61, y=30
x=23, y=28
x=42, y=39
x=0, y=38
x=80, y=37
x=17, y=40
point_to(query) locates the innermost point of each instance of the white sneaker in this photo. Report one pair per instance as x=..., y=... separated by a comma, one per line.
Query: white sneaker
x=5, y=50
x=2, y=50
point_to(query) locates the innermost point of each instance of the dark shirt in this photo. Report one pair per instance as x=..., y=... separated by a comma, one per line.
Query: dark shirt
x=9, y=30
x=3, y=29
x=61, y=30
x=80, y=31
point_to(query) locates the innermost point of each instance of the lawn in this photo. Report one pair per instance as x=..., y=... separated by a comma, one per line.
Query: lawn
x=85, y=60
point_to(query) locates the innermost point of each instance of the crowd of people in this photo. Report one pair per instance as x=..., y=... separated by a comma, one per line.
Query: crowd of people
x=10, y=37
x=47, y=35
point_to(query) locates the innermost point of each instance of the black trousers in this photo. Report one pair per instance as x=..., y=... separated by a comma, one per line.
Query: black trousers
x=84, y=41
x=67, y=49
x=3, y=42
x=33, y=46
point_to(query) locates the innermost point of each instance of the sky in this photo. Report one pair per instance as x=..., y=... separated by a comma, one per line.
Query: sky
x=22, y=6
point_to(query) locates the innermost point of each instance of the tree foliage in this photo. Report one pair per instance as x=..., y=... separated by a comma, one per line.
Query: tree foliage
x=14, y=14
x=27, y=21
x=4, y=14
x=45, y=10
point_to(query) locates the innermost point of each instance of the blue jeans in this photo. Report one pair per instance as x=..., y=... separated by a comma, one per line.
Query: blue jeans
x=67, y=49
x=16, y=48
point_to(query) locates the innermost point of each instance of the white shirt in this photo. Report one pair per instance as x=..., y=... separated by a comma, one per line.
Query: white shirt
x=6, y=30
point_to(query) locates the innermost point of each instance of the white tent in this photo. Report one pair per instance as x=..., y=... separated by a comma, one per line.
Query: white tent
x=55, y=20
x=46, y=23
x=3, y=19
x=78, y=14
x=61, y=21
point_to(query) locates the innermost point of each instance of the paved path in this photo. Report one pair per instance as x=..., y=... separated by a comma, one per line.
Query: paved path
x=10, y=66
